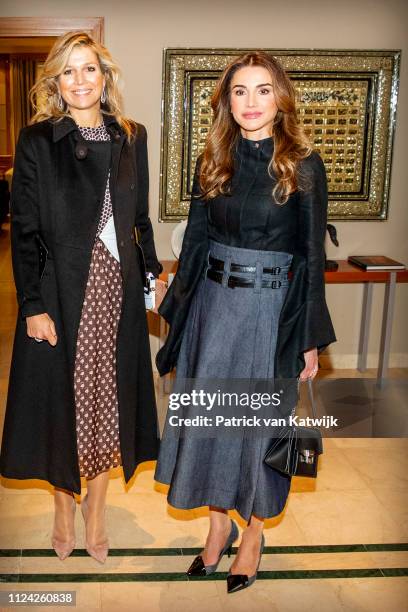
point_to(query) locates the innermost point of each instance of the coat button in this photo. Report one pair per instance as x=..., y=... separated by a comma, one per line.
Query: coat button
x=132, y=236
x=122, y=244
x=132, y=186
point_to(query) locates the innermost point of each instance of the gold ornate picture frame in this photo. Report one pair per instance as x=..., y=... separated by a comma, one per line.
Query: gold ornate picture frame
x=346, y=100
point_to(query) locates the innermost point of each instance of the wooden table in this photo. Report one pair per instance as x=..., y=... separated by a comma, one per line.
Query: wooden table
x=346, y=274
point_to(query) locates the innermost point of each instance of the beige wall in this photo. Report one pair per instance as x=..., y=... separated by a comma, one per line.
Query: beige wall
x=136, y=33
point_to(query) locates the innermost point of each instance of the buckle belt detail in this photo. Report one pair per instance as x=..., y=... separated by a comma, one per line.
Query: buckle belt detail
x=218, y=265
x=236, y=281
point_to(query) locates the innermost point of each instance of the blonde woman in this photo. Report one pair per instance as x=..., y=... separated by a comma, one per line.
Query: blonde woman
x=81, y=396
x=258, y=212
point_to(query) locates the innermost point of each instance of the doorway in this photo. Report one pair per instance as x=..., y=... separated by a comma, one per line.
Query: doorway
x=24, y=44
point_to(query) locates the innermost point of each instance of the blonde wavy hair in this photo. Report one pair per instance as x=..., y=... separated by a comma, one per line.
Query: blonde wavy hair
x=44, y=95
x=291, y=144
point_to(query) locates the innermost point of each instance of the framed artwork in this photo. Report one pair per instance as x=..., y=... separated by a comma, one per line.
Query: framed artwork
x=346, y=101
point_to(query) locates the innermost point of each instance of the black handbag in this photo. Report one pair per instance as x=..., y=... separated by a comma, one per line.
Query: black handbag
x=296, y=449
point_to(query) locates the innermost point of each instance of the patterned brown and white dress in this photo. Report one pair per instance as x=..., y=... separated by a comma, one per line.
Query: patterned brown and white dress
x=97, y=416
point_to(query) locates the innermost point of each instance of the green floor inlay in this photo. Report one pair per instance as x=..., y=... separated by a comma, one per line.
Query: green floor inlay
x=185, y=551
x=182, y=576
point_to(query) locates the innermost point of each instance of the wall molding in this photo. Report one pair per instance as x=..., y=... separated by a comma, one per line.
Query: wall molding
x=349, y=361
x=50, y=26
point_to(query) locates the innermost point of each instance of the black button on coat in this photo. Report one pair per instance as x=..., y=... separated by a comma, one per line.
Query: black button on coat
x=58, y=195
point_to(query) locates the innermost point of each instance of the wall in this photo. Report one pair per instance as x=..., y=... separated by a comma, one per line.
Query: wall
x=137, y=32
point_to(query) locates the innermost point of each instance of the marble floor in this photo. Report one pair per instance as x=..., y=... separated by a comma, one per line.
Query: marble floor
x=341, y=543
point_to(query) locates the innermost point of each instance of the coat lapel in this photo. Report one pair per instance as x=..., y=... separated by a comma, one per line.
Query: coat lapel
x=81, y=186
x=81, y=181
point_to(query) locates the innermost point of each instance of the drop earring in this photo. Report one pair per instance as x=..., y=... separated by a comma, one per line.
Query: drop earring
x=60, y=102
x=103, y=96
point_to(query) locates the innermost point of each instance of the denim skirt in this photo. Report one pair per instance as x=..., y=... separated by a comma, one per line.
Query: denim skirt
x=230, y=333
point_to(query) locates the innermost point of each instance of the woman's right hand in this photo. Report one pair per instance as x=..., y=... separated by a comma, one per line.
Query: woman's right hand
x=161, y=289
x=42, y=327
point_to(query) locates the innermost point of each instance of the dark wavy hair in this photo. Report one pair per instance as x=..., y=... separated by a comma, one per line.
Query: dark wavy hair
x=291, y=143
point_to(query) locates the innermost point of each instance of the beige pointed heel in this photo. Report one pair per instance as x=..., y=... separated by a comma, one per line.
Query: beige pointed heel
x=64, y=548
x=98, y=551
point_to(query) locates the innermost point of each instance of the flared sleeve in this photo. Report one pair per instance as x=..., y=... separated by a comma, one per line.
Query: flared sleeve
x=175, y=306
x=25, y=228
x=142, y=221
x=305, y=321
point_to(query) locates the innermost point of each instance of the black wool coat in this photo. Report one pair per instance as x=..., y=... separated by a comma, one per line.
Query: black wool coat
x=58, y=195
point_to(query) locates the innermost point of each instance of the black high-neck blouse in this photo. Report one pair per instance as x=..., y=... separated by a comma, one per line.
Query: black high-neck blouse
x=250, y=218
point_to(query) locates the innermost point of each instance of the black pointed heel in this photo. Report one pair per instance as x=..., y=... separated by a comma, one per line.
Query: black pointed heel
x=237, y=582
x=197, y=568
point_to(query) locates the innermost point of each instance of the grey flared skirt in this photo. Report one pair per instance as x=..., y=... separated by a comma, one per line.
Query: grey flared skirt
x=230, y=333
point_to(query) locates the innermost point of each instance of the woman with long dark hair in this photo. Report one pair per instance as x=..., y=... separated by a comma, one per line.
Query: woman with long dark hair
x=258, y=211
x=81, y=395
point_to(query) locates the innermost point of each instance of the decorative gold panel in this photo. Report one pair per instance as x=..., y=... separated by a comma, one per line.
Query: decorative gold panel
x=346, y=101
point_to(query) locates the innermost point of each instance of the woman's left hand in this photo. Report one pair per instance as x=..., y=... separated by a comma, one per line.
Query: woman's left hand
x=312, y=364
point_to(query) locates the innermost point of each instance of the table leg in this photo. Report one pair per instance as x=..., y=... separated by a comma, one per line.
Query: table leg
x=365, y=327
x=388, y=312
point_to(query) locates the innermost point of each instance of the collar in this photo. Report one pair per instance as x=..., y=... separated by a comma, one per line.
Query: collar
x=66, y=125
x=263, y=147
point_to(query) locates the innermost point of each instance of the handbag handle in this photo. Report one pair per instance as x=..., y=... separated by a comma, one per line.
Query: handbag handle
x=311, y=397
